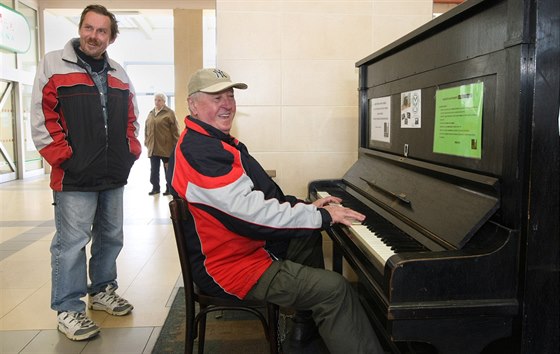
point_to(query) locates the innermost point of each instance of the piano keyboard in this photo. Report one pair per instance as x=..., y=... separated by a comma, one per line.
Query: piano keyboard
x=371, y=240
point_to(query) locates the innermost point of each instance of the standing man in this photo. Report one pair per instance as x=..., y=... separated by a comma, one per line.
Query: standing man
x=249, y=240
x=83, y=116
x=160, y=136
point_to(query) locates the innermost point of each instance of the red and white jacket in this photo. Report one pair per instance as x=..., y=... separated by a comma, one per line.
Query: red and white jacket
x=68, y=127
x=237, y=210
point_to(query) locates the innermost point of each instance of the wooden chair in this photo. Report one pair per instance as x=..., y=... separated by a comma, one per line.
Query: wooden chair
x=179, y=214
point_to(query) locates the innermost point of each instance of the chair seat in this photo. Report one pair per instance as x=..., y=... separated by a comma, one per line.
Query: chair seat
x=207, y=303
x=200, y=296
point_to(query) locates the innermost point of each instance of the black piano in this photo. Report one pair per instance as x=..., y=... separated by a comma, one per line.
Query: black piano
x=457, y=124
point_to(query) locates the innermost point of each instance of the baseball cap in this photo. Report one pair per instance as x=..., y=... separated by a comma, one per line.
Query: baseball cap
x=211, y=81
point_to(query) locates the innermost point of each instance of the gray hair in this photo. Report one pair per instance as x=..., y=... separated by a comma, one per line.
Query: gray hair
x=160, y=95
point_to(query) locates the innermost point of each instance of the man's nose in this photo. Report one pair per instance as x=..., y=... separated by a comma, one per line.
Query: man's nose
x=94, y=35
x=229, y=102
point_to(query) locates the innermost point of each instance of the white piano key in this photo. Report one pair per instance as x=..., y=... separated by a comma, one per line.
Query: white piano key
x=370, y=240
x=373, y=243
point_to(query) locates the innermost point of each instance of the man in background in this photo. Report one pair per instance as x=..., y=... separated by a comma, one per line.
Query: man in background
x=84, y=124
x=160, y=136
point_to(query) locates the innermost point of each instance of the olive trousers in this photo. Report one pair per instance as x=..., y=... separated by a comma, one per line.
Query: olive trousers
x=300, y=282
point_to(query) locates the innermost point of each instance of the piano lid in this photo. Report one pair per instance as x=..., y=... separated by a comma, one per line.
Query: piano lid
x=444, y=204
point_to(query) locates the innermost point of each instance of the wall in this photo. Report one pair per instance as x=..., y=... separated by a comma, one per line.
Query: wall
x=299, y=116
x=188, y=55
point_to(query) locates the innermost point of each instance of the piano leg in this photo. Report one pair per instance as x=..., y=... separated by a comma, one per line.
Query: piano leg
x=336, y=258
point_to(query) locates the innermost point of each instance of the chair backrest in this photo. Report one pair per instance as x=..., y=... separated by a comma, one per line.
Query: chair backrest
x=180, y=214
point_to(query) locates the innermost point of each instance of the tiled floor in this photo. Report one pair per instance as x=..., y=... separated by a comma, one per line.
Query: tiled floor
x=148, y=271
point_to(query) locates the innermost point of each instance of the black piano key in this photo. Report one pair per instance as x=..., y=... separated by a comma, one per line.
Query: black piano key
x=389, y=234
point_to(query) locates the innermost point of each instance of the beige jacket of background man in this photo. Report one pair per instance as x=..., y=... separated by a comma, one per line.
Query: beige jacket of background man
x=161, y=132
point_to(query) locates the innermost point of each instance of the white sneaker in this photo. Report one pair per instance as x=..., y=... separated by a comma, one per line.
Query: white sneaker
x=110, y=302
x=76, y=325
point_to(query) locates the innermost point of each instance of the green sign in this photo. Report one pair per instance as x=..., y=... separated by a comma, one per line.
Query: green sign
x=458, y=121
x=15, y=35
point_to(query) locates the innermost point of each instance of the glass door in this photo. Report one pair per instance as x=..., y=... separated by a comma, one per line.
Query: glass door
x=33, y=161
x=8, y=156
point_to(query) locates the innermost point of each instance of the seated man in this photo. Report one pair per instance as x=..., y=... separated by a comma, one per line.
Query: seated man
x=247, y=238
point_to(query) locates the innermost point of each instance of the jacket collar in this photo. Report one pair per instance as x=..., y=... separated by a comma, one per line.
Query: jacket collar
x=163, y=109
x=69, y=53
x=206, y=129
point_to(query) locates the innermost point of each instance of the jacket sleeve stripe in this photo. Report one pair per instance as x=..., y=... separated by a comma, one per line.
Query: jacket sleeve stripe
x=238, y=200
x=47, y=125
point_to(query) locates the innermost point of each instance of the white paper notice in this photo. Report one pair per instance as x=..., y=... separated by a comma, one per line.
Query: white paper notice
x=380, y=119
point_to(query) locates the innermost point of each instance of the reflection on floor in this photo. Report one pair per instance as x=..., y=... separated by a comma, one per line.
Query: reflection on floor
x=148, y=271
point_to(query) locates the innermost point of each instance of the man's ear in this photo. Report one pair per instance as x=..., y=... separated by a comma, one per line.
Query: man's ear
x=192, y=106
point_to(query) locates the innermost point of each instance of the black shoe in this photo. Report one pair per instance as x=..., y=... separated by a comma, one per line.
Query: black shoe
x=303, y=338
x=153, y=192
x=167, y=192
x=303, y=331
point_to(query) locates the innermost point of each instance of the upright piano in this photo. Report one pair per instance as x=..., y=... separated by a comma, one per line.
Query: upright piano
x=445, y=165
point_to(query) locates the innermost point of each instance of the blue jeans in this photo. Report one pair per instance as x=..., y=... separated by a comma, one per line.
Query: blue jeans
x=79, y=218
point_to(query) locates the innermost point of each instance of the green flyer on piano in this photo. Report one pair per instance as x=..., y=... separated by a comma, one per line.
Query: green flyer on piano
x=458, y=121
